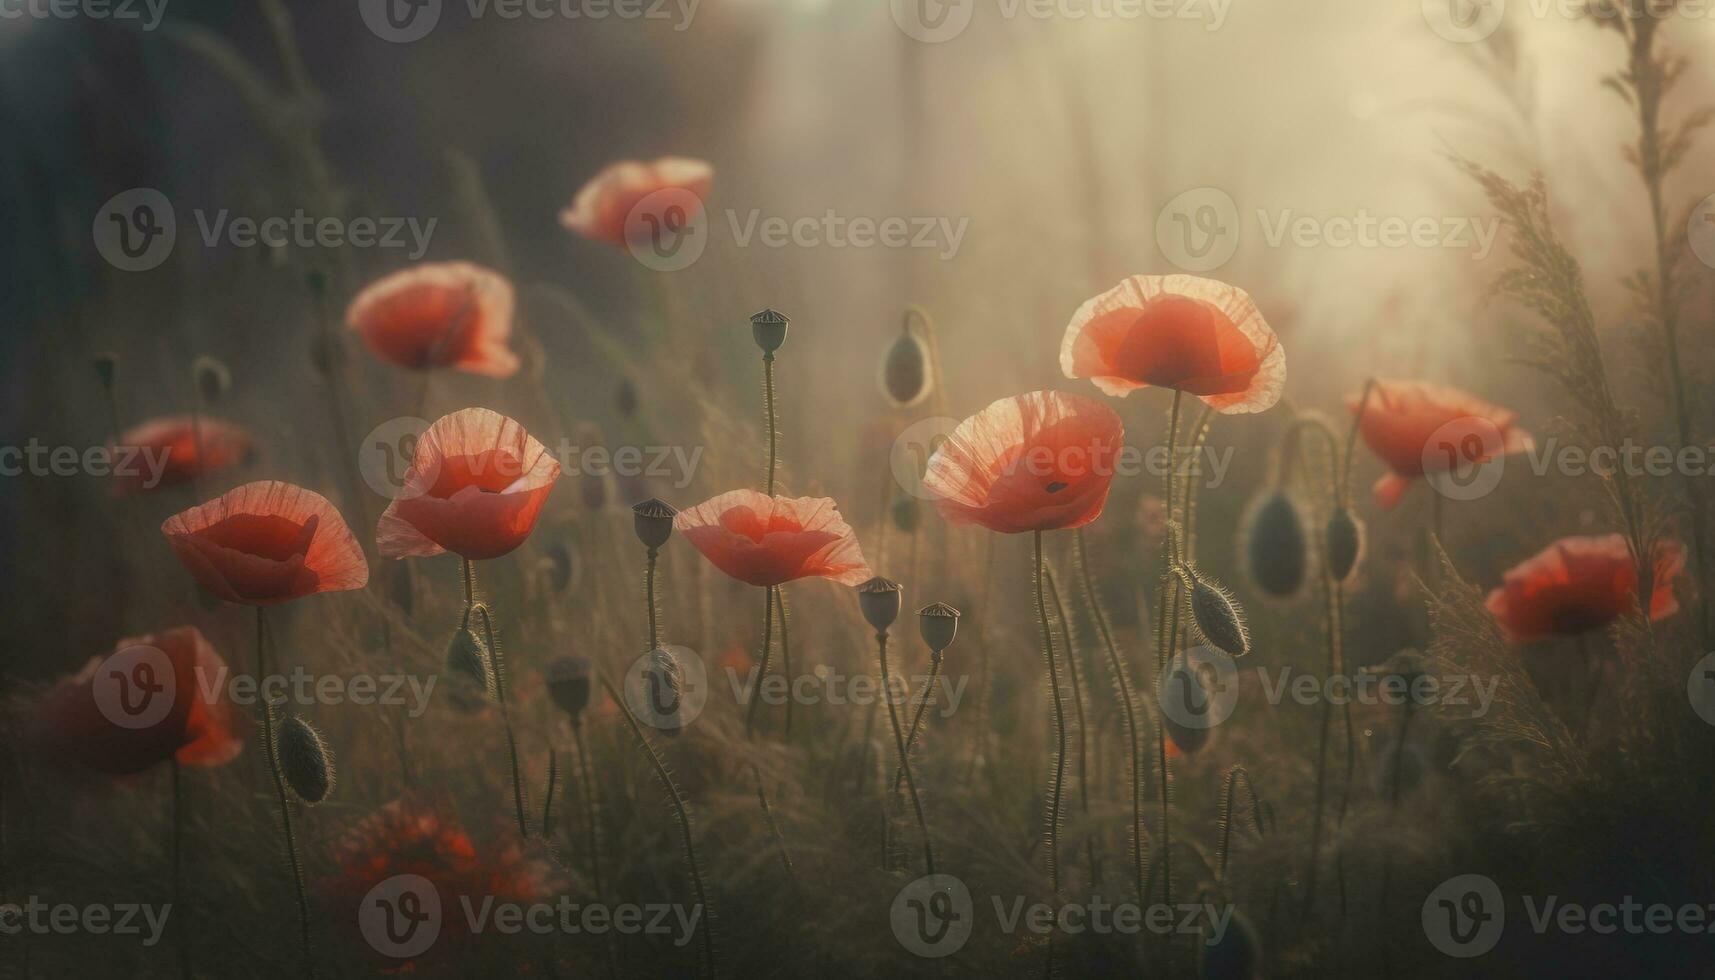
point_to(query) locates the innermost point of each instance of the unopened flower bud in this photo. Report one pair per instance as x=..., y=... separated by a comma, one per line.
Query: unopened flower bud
x=305, y=760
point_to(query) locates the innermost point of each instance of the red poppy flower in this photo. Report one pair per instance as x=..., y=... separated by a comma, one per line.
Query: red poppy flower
x=1034, y=462
x=475, y=488
x=183, y=449
x=157, y=697
x=1579, y=584
x=1415, y=427
x=419, y=844
x=765, y=540
x=630, y=198
x=1198, y=336
x=446, y=314
x=267, y=542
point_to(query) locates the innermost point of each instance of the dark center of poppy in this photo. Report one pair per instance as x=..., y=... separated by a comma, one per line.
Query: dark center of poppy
x=1057, y=486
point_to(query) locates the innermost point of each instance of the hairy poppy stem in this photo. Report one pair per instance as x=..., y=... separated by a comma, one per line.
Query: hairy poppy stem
x=472, y=607
x=1083, y=725
x=684, y=818
x=586, y=781
x=286, y=821
x=785, y=653
x=904, y=759
x=548, y=797
x=649, y=599
x=768, y=413
x=1057, y=787
x=762, y=668
x=922, y=706
x=1133, y=746
x=1164, y=638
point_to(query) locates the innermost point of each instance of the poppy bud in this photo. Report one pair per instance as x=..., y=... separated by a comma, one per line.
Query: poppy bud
x=879, y=600
x=1236, y=954
x=939, y=623
x=905, y=512
x=666, y=679
x=1219, y=617
x=304, y=759
x=769, y=330
x=1276, y=549
x=467, y=659
x=905, y=371
x=1345, y=542
x=569, y=685
x=653, y=521
x=212, y=378
x=106, y=366
x=625, y=398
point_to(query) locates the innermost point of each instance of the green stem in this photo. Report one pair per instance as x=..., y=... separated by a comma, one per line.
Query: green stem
x=649, y=598
x=1083, y=726
x=904, y=758
x=762, y=668
x=1166, y=595
x=768, y=412
x=268, y=739
x=586, y=780
x=922, y=706
x=498, y=658
x=1133, y=745
x=684, y=819
x=785, y=654
x=1057, y=787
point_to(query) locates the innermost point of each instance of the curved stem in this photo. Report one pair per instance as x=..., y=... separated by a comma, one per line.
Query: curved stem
x=904, y=759
x=1342, y=486
x=498, y=658
x=1117, y=666
x=1167, y=593
x=268, y=740
x=785, y=654
x=762, y=668
x=586, y=780
x=1083, y=724
x=1057, y=787
x=917, y=718
x=684, y=818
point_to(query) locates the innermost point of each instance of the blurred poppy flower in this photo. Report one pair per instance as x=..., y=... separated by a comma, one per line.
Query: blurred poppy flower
x=1035, y=462
x=1578, y=584
x=190, y=448
x=626, y=199
x=79, y=719
x=267, y=542
x=1417, y=428
x=1196, y=335
x=475, y=488
x=420, y=837
x=763, y=540
x=441, y=314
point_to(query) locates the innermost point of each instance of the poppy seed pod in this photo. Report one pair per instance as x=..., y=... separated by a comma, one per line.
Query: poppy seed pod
x=1276, y=547
x=879, y=599
x=1345, y=543
x=569, y=685
x=905, y=371
x=468, y=658
x=653, y=521
x=939, y=623
x=769, y=330
x=212, y=378
x=305, y=760
x=1219, y=617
